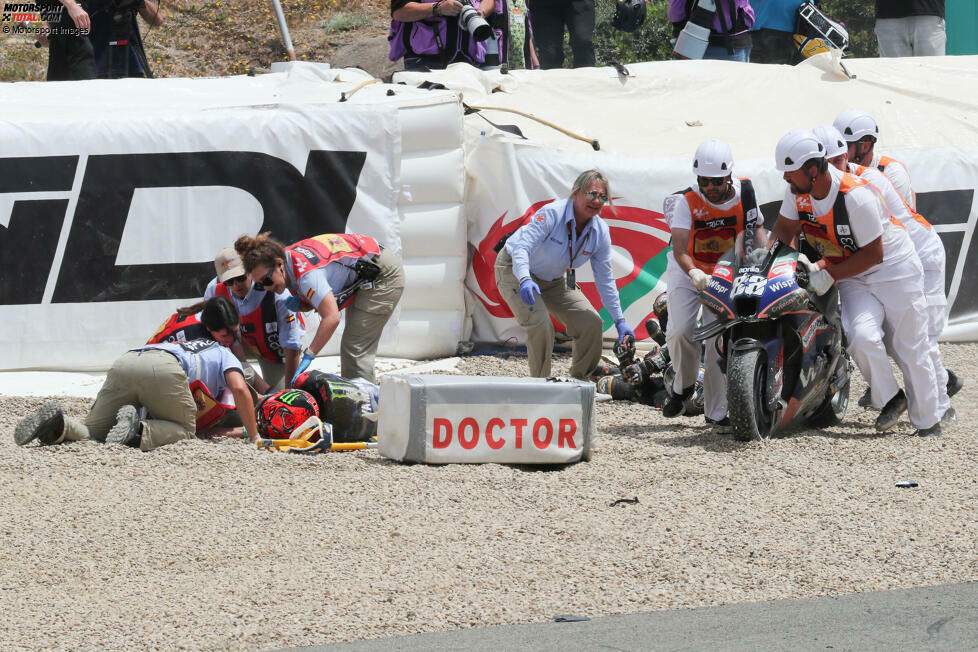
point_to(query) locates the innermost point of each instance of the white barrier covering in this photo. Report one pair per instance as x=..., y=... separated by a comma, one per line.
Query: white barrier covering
x=476, y=419
x=115, y=195
x=649, y=123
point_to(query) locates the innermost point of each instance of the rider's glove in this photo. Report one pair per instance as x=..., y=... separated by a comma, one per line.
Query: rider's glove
x=698, y=278
x=633, y=373
x=624, y=331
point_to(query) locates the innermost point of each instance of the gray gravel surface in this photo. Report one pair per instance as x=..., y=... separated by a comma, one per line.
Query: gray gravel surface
x=216, y=545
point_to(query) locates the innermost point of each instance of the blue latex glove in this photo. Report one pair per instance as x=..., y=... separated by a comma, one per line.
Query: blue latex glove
x=293, y=303
x=527, y=288
x=307, y=359
x=623, y=330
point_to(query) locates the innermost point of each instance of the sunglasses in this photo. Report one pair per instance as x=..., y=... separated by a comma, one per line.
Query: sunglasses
x=593, y=194
x=705, y=182
x=267, y=282
x=236, y=279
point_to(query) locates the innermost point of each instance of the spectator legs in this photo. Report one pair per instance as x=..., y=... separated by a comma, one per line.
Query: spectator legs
x=579, y=15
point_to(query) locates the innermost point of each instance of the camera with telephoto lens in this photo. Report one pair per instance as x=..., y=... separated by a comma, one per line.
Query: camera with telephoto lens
x=475, y=24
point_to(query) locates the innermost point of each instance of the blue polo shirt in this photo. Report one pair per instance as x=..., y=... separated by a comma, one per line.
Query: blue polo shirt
x=203, y=360
x=548, y=245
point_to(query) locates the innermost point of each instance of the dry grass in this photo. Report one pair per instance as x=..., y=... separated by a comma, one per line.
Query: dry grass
x=220, y=37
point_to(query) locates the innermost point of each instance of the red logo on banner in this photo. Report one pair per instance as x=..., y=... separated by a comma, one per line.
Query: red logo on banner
x=640, y=244
x=484, y=261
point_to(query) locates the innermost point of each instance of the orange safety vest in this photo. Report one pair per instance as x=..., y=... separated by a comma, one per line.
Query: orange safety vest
x=829, y=236
x=714, y=231
x=180, y=328
x=259, y=328
x=313, y=253
x=886, y=160
x=916, y=216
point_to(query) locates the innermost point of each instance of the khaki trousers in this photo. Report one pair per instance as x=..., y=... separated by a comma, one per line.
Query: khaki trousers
x=366, y=316
x=152, y=379
x=571, y=307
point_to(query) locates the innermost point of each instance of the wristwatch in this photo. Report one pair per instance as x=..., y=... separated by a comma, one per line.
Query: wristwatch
x=434, y=9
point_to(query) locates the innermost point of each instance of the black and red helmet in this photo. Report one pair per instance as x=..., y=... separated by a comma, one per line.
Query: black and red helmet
x=279, y=414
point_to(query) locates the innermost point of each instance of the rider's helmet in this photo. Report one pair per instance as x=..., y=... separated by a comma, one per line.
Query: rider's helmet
x=629, y=15
x=279, y=415
x=344, y=404
x=854, y=124
x=833, y=141
x=713, y=158
x=795, y=148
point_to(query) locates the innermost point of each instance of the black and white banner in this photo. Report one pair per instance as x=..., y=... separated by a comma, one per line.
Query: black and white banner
x=107, y=223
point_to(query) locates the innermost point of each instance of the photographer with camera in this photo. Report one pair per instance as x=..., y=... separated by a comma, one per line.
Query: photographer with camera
x=116, y=40
x=430, y=35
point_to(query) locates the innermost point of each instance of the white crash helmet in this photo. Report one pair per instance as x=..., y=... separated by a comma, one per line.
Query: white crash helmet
x=853, y=124
x=795, y=148
x=713, y=159
x=833, y=141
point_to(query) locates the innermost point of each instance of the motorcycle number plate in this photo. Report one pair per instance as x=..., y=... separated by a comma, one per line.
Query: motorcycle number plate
x=749, y=286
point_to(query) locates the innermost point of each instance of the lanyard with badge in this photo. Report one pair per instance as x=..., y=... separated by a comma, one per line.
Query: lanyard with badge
x=571, y=276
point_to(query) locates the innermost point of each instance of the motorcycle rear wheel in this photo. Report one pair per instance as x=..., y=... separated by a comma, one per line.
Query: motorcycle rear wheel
x=832, y=410
x=746, y=395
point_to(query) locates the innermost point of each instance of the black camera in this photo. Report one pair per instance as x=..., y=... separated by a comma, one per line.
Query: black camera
x=367, y=269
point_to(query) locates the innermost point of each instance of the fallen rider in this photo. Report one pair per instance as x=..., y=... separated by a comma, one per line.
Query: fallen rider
x=643, y=381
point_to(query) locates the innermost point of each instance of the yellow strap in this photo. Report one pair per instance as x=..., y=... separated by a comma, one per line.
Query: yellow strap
x=592, y=142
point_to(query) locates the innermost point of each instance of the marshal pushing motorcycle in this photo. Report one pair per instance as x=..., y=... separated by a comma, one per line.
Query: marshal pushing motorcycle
x=781, y=344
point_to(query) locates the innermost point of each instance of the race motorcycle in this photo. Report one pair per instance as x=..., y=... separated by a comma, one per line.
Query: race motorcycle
x=785, y=360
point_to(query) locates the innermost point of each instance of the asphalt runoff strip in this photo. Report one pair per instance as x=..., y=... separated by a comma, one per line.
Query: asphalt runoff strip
x=933, y=618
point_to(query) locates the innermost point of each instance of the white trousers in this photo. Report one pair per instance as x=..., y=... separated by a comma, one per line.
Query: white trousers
x=684, y=352
x=913, y=36
x=936, y=321
x=899, y=309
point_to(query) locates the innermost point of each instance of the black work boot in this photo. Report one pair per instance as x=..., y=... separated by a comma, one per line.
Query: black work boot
x=891, y=412
x=954, y=384
x=933, y=431
x=721, y=427
x=866, y=400
x=675, y=405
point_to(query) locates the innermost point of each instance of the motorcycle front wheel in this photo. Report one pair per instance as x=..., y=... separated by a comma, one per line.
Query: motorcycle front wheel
x=747, y=408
